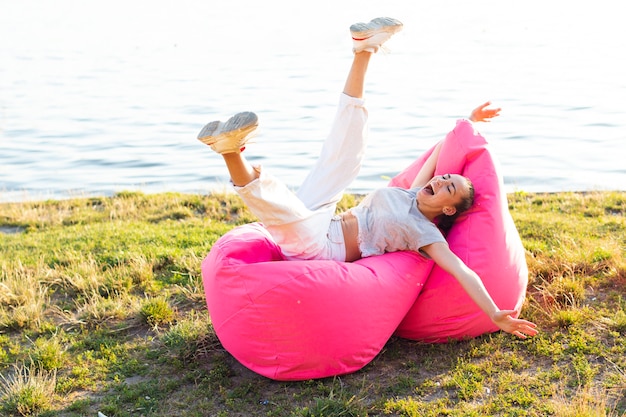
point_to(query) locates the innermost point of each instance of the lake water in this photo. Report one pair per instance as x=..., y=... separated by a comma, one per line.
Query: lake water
x=99, y=97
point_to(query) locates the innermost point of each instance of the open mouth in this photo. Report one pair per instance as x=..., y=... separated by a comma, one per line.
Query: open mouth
x=428, y=188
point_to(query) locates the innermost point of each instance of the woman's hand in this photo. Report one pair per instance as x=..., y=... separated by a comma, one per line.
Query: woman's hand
x=482, y=114
x=518, y=327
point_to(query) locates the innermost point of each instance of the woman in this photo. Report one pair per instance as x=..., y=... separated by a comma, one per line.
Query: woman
x=305, y=225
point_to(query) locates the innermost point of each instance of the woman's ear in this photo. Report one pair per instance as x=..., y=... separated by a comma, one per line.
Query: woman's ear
x=449, y=210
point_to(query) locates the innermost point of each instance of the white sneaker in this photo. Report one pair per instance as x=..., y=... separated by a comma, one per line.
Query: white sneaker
x=371, y=36
x=230, y=137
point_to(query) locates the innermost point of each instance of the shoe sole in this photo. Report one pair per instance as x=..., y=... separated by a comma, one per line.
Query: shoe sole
x=362, y=31
x=238, y=128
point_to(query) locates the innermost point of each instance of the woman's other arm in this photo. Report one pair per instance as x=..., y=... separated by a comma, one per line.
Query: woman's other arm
x=427, y=171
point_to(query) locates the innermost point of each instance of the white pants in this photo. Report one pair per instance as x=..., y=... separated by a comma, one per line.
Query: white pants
x=304, y=224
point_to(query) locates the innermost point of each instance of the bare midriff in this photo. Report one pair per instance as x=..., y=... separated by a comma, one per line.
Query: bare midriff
x=350, y=229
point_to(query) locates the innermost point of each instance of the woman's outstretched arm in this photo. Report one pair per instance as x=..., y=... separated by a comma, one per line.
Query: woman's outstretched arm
x=471, y=283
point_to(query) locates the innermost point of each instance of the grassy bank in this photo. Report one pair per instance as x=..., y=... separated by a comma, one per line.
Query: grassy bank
x=102, y=309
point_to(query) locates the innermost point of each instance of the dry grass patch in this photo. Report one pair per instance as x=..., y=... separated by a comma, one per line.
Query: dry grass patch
x=28, y=390
x=23, y=295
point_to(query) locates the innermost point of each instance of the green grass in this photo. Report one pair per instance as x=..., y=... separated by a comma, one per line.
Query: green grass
x=102, y=309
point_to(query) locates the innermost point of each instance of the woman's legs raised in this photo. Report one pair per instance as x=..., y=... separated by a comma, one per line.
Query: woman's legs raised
x=299, y=223
x=229, y=138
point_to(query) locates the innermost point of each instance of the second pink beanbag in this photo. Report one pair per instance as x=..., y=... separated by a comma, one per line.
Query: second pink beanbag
x=485, y=238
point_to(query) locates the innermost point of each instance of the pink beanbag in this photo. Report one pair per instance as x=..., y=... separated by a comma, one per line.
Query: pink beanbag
x=485, y=238
x=297, y=320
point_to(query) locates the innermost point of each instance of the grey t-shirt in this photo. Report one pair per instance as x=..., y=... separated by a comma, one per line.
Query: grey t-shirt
x=389, y=221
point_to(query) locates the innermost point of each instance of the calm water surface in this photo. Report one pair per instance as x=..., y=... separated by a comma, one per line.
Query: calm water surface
x=100, y=97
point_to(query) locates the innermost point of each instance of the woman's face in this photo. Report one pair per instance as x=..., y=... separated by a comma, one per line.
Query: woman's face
x=443, y=193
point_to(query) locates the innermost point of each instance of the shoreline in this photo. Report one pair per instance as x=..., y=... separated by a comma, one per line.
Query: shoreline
x=225, y=189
